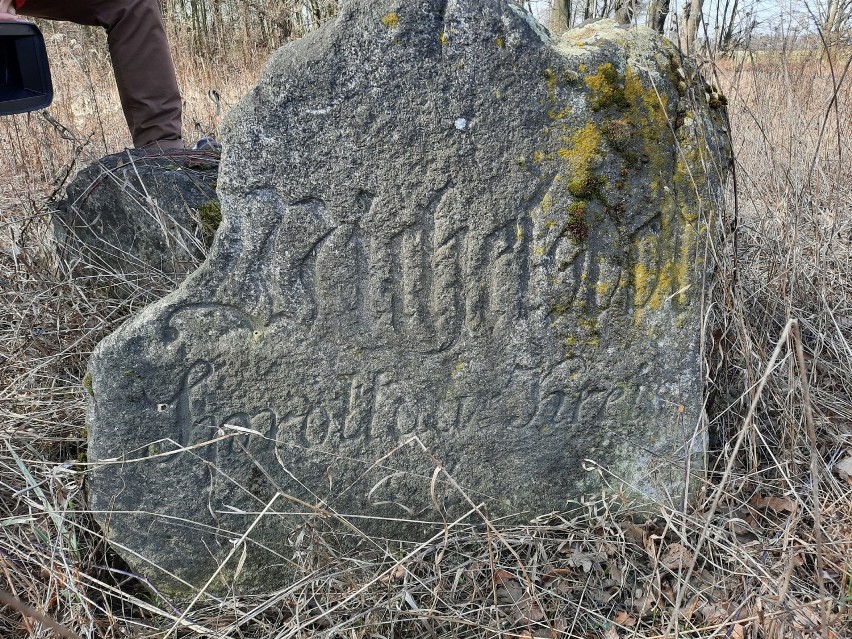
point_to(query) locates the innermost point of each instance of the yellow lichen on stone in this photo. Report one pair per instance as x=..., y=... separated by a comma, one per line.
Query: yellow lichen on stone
x=444, y=38
x=632, y=133
x=559, y=114
x=603, y=288
x=583, y=157
x=634, y=90
x=87, y=384
x=585, y=332
x=546, y=203
x=590, y=326
x=663, y=262
x=500, y=42
x=687, y=261
x=607, y=88
x=552, y=81
x=690, y=178
x=391, y=20
x=644, y=282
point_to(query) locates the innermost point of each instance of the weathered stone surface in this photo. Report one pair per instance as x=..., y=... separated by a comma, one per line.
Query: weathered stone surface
x=141, y=216
x=439, y=223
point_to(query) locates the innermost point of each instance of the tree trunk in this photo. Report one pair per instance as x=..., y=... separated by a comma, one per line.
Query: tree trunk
x=560, y=18
x=658, y=11
x=727, y=35
x=624, y=11
x=691, y=18
x=218, y=27
x=837, y=18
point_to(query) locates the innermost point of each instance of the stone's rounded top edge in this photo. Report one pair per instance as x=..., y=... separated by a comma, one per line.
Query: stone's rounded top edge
x=595, y=32
x=539, y=29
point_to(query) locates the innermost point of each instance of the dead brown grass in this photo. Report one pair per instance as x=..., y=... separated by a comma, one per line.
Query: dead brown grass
x=766, y=552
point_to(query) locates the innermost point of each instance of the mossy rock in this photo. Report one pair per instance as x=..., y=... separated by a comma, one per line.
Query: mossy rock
x=439, y=258
x=142, y=219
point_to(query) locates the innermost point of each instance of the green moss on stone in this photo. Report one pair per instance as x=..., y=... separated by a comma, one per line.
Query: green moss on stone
x=552, y=80
x=607, y=87
x=577, y=227
x=618, y=133
x=87, y=384
x=583, y=157
x=209, y=217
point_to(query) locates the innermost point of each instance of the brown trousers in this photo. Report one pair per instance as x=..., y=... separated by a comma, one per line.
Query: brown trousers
x=143, y=66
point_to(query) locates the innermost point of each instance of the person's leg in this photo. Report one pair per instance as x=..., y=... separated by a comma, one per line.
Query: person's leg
x=140, y=54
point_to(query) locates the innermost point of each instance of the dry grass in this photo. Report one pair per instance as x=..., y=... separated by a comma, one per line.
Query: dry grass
x=766, y=551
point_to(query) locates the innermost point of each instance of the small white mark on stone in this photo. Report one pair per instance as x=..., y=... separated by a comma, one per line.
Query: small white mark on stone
x=461, y=124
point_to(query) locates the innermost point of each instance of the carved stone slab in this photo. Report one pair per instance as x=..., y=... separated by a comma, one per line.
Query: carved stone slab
x=448, y=240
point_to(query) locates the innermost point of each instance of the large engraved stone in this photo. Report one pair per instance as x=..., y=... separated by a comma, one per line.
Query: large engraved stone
x=448, y=241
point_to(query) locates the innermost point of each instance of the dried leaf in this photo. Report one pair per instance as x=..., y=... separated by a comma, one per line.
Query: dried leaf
x=615, y=573
x=509, y=593
x=624, y=619
x=634, y=533
x=518, y=604
x=584, y=560
x=844, y=469
x=556, y=573
x=502, y=576
x=610, y=633
x=808, y=622
x=778, y=504
x=677, y=558
x=396, y=574
x=691, y=607
x=533, y=612
x=713, y=613
x=644, y=603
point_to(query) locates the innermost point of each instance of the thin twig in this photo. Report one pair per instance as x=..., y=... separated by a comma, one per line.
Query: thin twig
x=29, y=611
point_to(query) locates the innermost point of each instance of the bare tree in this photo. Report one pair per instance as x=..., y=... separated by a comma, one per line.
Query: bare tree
x=625, y=11
x=691, y=16
x=561, y=16
x=658, y=11
x=259, y=22
x=837, y=18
